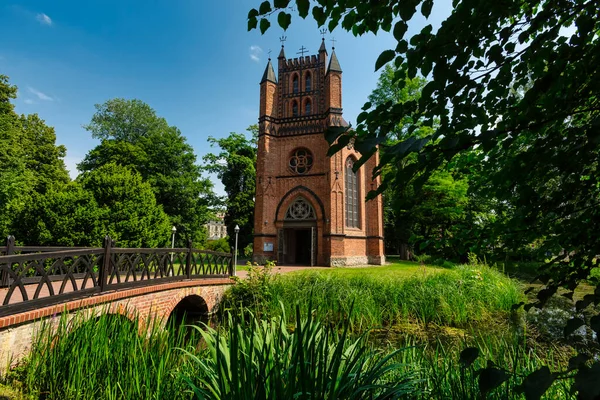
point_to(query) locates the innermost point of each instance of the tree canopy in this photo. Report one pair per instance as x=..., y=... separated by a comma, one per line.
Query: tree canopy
x=30, y=160
x=515, y=83
x=235, y=166
x=513, y=91
x=132, y=135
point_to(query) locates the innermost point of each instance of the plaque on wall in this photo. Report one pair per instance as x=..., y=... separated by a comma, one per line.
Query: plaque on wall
x=267, y=246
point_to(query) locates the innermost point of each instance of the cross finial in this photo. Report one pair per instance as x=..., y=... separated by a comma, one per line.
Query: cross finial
x=323, y=32
x=302, y=51
x=269, y=54
x=333, y=43
x=282, y=39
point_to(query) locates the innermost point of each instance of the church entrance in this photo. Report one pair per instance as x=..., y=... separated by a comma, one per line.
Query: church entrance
x=299, y=246
x=297, y=240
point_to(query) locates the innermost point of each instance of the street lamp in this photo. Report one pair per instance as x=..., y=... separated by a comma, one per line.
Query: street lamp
x=173, y=231
x=236, y=230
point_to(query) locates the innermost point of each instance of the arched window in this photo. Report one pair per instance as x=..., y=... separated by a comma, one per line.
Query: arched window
x=295, y=83
x=294, y=108
x=352, y=195
x=308, y=83
x=307, y=109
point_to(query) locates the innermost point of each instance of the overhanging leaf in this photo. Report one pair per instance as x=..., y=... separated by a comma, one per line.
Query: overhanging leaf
x=490, y=378
x=572, y=325
x=265, y=8
x=384, y=58
x=468, y=356
x=303, y=6
x=284, y=19
x=264, y=25
x=536, y=384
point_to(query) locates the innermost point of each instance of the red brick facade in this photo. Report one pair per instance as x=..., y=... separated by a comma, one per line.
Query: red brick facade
x=300, y=213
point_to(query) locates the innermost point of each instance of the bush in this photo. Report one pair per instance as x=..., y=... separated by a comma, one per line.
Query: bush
x=249, y=251
x=220, y=245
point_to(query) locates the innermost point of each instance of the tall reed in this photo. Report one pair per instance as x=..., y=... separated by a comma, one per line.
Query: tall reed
x=261, y=359
x=105, y=357
x=454, y=297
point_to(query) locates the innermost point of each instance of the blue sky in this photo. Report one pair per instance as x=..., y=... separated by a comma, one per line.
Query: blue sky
x=193, y=61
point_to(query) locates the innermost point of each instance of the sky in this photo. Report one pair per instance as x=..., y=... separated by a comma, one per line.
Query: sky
x=193, y=61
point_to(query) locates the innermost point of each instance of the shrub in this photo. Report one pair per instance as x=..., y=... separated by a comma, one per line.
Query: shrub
x=220, y=245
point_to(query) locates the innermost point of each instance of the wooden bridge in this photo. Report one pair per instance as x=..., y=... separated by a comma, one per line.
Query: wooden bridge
x=37, y=283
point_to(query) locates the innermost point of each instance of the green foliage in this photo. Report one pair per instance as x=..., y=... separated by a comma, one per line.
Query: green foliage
x=30, y=160
x=455, y=297
x=128, y=210
x=132, y=135
x=66, y=216
x=249, y=250
x=313, y=361
x=221, y=245
x=254, y=292
x=107, y=357
x=235, y=166
x=513, y=97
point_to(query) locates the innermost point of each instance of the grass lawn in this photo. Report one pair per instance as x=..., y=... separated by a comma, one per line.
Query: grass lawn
x=401, y=269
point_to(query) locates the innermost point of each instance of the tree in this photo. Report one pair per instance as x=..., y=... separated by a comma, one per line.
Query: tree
x=129, y=212
x=63, y=216
x=42, y=156
x=515, y=84
x=132, y=135
x=30, y=160
x=235, y=165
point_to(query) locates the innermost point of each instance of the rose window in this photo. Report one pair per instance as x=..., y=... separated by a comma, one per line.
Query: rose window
x=301, y=161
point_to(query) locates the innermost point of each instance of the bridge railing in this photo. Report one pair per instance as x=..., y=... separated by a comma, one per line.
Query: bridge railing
x=33, y=276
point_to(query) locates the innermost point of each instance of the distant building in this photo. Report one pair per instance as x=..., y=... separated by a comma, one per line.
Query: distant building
x=216, y=229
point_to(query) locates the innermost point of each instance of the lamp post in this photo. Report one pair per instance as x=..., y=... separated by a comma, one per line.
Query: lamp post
x=173, y=231
x=236, y=230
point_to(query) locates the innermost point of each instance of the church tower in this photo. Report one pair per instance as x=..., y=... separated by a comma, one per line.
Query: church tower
x=310, y=209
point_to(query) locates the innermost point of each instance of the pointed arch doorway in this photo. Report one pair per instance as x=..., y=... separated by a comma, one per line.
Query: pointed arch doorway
x=297, y=240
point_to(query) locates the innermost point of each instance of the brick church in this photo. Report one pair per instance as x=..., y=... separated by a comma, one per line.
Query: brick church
x=310, y=208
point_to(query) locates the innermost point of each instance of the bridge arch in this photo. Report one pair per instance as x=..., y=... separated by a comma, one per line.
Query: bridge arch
x=191, y=309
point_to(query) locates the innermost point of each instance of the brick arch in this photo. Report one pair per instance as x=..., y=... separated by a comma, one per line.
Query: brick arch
x=291, y=195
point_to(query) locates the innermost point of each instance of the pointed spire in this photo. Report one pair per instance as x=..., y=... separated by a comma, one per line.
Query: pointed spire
x=281, y=53
x=334, y=64
x=269, y=74
x=322, y=48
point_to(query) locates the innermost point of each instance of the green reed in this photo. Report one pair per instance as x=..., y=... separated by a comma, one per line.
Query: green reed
x=452, y=297
x=105, y=357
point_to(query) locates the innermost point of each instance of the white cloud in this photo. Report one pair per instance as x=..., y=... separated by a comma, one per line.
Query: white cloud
x=44, y=19
x=28, y=101
x=255, y=52
x=40, y=95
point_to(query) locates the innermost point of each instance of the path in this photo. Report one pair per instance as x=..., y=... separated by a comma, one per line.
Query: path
x=281, y=270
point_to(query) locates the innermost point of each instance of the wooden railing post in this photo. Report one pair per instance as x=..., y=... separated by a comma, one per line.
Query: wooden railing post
x=105, y=270
x=188, y=259
x=10, y=249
